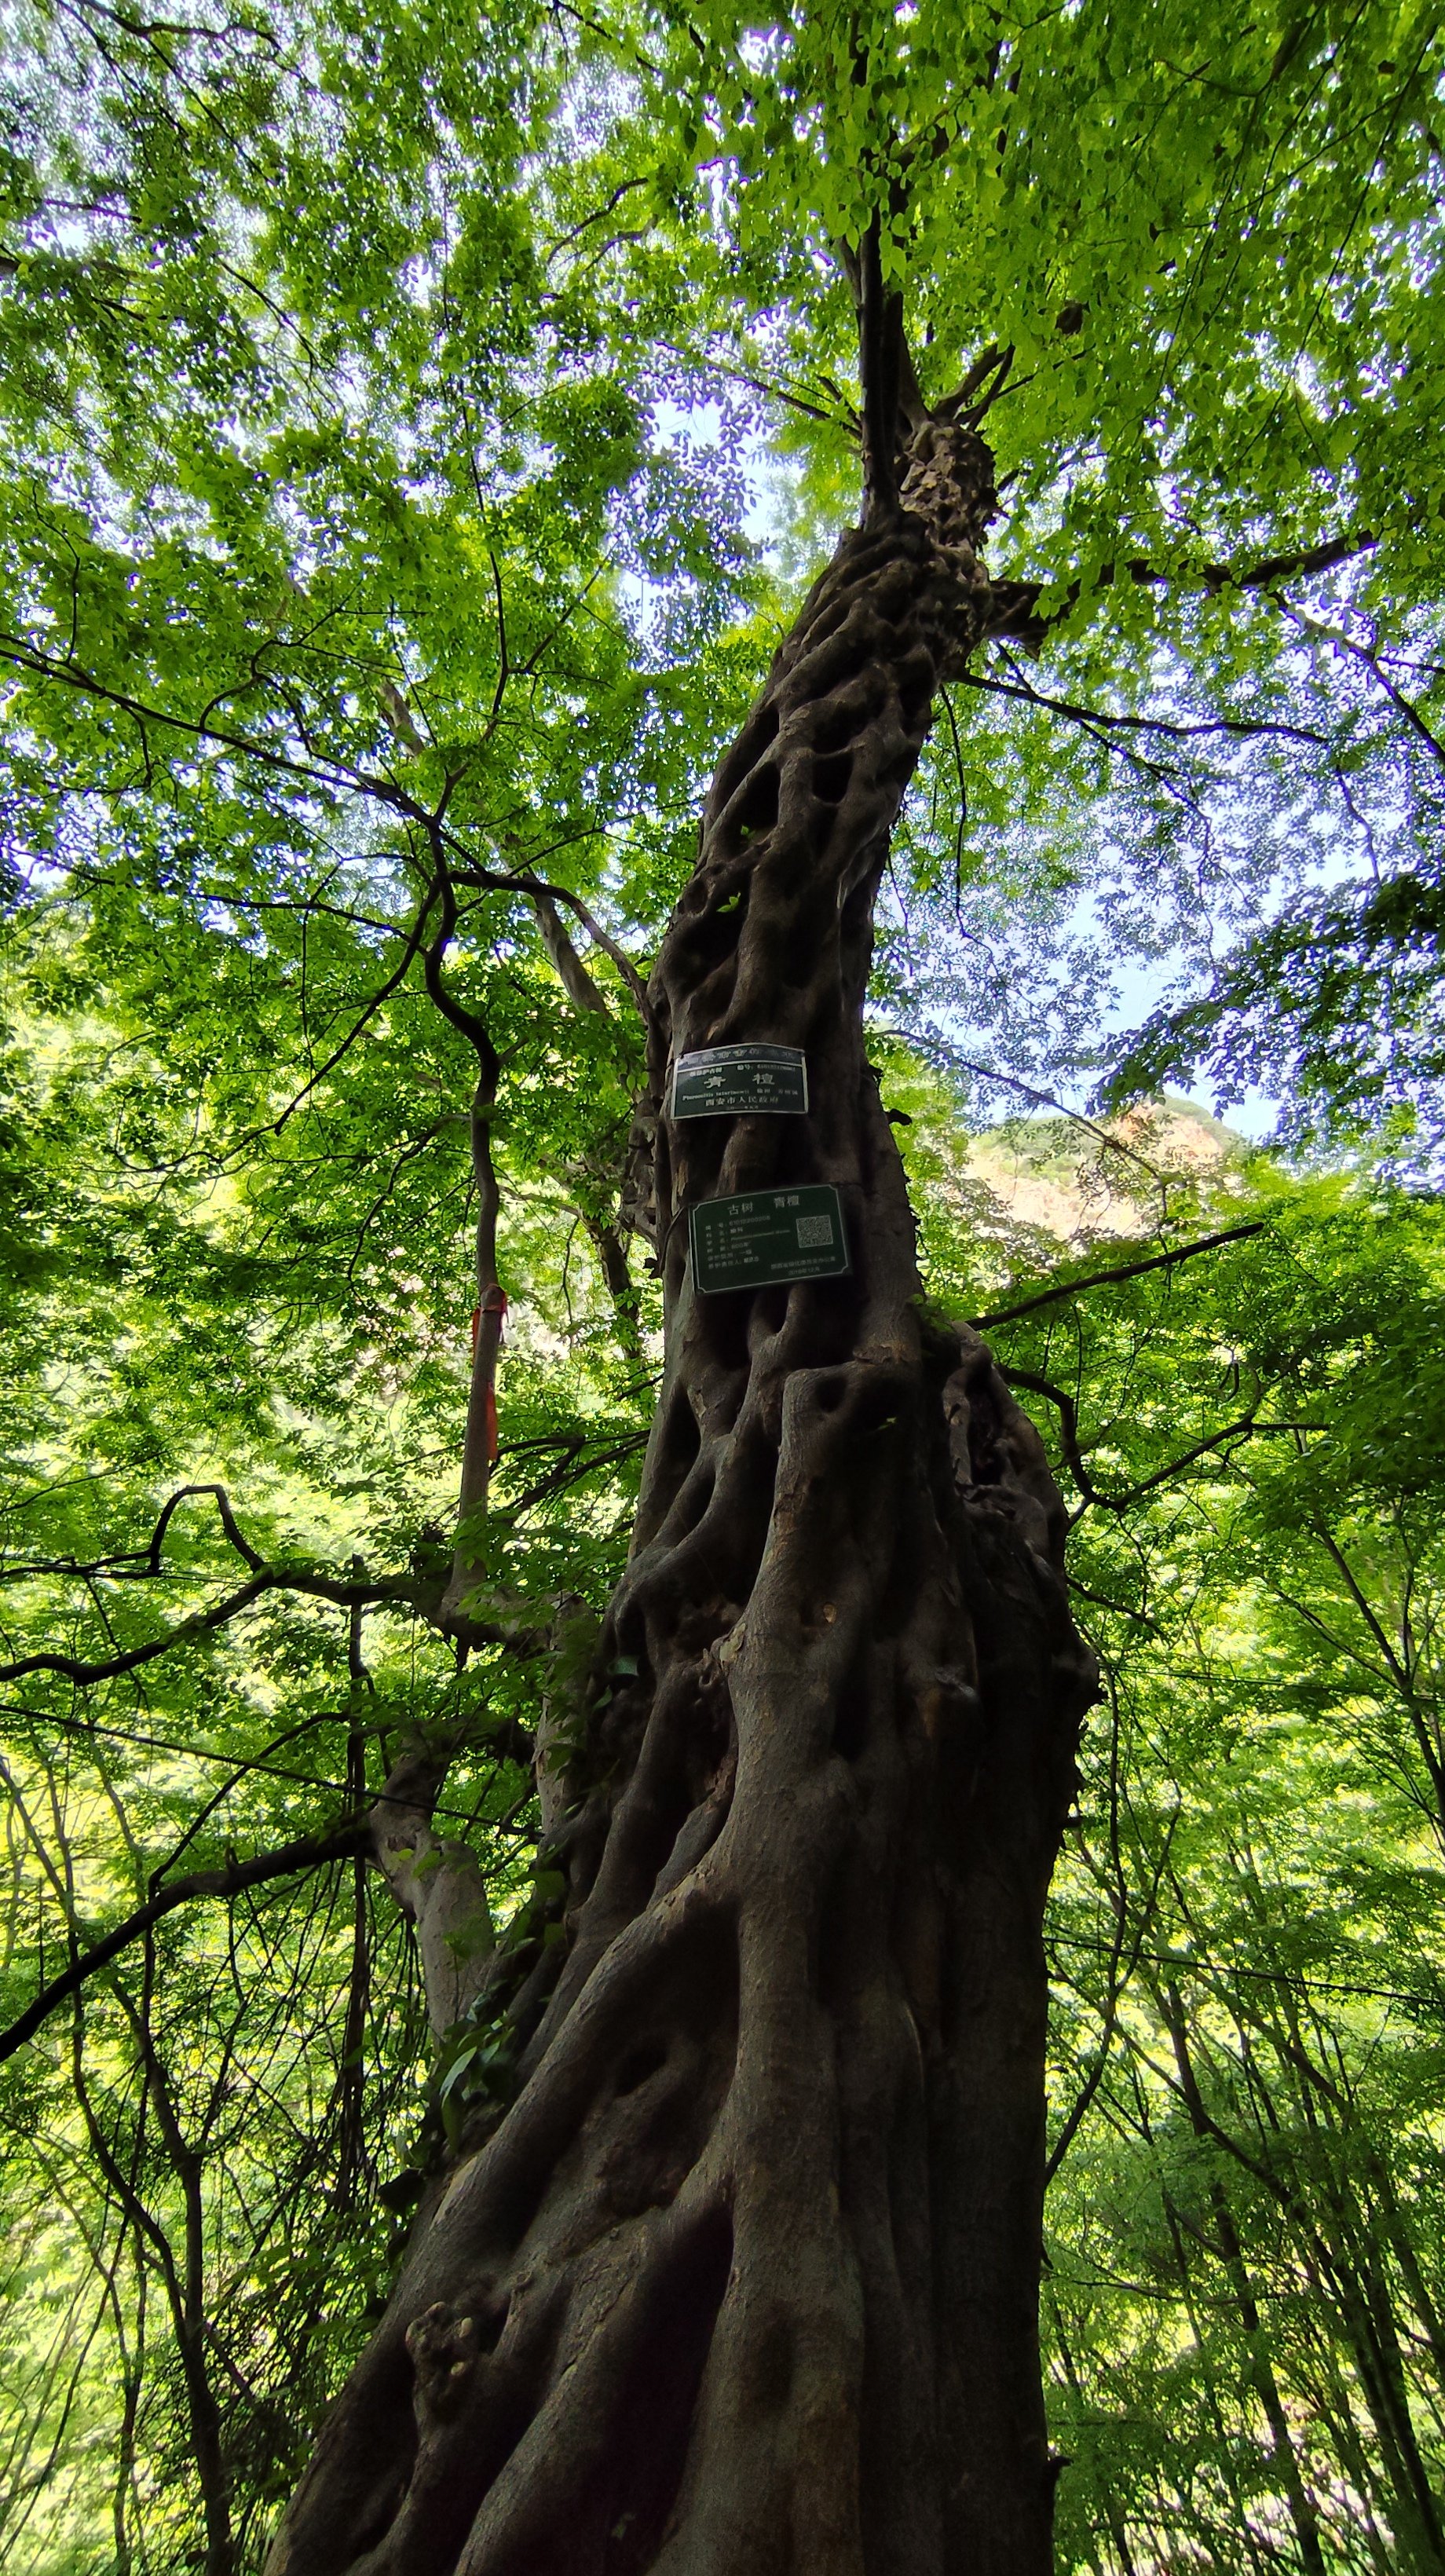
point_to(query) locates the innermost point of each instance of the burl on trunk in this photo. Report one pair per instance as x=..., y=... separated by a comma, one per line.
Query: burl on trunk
x=744, y=2283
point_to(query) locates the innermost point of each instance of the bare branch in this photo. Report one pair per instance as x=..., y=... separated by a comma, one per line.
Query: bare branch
x=1015, y=609
x=86, y=1729
x=980, y=388
x=141, y=1564
x=843, y=418
x=335, y=774
x=1127, y=1270
x=1242, y=727
x=1069, y=1439
x=307, y=1852
x=204, y=1623
x=405, y=1591
x=500, y=881
x=879, y=331
x=1369, y=661
x=479, y=1440
x=229, y=1524
x=383, y=994
x=1068, y=1413
x=579, y=985
x=564, y=240
x=1041, y=1099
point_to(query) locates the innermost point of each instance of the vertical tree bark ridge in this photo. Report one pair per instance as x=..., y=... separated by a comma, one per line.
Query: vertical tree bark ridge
x=745, y=2281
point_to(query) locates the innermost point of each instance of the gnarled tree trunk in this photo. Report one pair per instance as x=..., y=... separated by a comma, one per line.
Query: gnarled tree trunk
x=745, y=2279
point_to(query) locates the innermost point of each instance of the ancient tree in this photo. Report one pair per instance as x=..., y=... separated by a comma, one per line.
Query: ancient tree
x=745, y=2275
x=346, y=800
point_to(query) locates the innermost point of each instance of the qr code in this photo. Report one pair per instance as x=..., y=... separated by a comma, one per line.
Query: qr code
x=813, y=1231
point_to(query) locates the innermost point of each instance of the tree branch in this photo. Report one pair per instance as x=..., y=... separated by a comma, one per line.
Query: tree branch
x=1015, y=608
x=1069, y=1440
x=1068, y=1413
x=414, y=1594
x=479, y=1441
x=1127, y=1270
x=86, y=1730
x=844, y=417
x=500, y=881
x=1119, y=1978
x=334, y=774
x=1369, y=661
x=229, y=1524
x=878, y=334
x=980, y=388
x=141, y=1564
x=307, y=1852
x=581, y=991
x=382, y=994
x=1243, y=727
x=1041, y=1099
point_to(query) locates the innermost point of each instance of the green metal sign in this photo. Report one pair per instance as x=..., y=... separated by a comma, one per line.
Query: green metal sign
x=740, y=1082
x=771, y=1235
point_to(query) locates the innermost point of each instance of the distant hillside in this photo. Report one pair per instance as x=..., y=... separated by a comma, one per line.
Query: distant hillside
x=1075, y=1182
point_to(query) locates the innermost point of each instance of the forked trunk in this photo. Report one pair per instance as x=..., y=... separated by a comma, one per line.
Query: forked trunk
x=745, y=2281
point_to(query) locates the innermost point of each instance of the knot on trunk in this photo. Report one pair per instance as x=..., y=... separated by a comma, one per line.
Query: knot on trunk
x=442, y=2349
x=998, y=1456
x=948, y=489
x=949, y=484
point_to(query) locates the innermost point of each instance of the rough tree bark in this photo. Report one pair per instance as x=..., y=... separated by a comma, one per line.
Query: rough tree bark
x=744, y=2281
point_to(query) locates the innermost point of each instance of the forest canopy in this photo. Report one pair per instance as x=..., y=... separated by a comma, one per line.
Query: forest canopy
x=420, y=429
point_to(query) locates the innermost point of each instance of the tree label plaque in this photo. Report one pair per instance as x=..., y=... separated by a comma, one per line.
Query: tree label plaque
x=769, y=1235
x=740, y=1082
